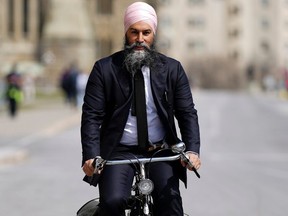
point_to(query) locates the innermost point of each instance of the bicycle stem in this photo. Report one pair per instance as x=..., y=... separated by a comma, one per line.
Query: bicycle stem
x=142, y=170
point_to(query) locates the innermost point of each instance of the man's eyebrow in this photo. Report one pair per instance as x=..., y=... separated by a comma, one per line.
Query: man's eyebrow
x=144, y=30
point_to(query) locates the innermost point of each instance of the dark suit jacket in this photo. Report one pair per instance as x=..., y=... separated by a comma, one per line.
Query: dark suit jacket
x=108, y=99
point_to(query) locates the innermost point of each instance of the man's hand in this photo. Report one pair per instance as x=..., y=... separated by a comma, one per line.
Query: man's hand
x=93, y=166
x=194, y=159
x=88, y=167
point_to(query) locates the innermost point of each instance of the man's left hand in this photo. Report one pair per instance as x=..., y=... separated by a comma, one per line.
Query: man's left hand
x=194, y=159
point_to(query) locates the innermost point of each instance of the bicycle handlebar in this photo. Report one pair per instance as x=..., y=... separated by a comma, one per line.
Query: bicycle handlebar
x=148, y=160
x=142, y=160
x=177, y=148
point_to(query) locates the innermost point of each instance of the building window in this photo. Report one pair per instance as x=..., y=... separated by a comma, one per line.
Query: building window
x=234, y=33
x=166, y=22
x=196, y=22
x=11, y=17
x=104, y=6
x=196, y=44
x=196, y=2
x=43, y=7
x=234, y=10
x=265, y=46
x=25, y=16
x=165, y=2
x=265, y=3
x=234, y=55
x=265, y=24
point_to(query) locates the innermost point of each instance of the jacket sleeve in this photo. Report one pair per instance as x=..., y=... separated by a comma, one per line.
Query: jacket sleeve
x=185, y=111
x=93, y=112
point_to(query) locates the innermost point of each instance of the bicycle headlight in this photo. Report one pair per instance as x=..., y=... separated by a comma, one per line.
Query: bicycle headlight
x=146, y=186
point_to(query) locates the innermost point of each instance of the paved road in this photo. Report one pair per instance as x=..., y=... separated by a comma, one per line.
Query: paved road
x=244, y=156
x=35, y=122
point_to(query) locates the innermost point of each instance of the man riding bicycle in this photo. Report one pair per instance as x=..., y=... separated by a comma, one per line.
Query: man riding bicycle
x=129, y=107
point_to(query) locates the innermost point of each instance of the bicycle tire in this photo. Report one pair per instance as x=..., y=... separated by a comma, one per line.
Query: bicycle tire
x=90, y=208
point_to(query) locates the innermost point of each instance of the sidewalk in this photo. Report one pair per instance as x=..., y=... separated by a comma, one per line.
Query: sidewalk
x=43, y=119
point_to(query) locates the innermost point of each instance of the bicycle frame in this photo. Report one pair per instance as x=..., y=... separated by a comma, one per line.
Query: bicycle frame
x=143, y=186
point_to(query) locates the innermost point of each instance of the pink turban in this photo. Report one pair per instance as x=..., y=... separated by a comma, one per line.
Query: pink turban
x=140, y=11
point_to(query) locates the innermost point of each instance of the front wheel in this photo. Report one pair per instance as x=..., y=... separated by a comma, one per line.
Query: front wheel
x=91, y=208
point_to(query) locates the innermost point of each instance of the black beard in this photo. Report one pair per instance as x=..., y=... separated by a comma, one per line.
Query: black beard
x=135, y=59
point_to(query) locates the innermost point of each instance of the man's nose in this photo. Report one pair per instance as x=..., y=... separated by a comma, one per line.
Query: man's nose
x=140, y=38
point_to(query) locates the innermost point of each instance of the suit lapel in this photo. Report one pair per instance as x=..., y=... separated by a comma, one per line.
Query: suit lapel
x=158, y=76
x=124, y=80
x=160, y=89
x=122, y=75
x=158, y=80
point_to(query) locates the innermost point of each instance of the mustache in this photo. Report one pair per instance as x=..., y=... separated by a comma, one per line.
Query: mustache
x=137, y=44
x=135, y=59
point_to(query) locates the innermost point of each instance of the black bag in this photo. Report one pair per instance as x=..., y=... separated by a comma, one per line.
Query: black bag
x=91, y=208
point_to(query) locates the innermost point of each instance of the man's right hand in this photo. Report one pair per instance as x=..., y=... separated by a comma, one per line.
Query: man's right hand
x=88, y=168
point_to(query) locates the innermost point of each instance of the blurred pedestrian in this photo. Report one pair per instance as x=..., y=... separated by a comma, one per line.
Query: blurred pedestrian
x=269, y=83
x=14, y=93
x=286, y=78
x=68, y=84
x=28, y=88
x=81, y=82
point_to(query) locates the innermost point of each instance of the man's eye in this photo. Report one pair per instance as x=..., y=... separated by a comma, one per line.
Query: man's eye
x=146, y=33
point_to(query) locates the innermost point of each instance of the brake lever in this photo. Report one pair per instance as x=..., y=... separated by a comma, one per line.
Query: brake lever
x=185, y=158
x=98, y=165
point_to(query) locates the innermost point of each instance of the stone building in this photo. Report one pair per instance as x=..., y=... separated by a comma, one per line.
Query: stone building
x=21, y=25
x=51, y=34
x=216, y=40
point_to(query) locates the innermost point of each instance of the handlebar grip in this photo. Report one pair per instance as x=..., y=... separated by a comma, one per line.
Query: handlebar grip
x=98, y=164
x=191, y=165
x=196, y=172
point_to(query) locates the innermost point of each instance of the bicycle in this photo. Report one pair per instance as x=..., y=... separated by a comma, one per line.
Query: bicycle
x=140, y=202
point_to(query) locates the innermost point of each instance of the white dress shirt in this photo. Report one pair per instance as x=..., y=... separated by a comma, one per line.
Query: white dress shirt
x=156, y=131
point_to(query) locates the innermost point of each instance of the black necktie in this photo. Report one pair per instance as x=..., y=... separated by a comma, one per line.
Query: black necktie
x=140, y=110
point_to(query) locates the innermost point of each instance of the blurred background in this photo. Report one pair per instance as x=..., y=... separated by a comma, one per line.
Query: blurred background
x=221, y=43
x=235, y=53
